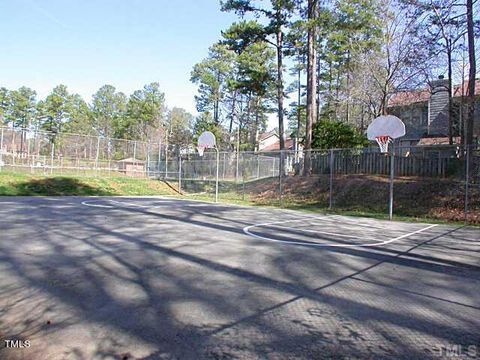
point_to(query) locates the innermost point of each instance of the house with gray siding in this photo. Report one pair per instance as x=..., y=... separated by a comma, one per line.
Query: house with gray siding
x=426, y=116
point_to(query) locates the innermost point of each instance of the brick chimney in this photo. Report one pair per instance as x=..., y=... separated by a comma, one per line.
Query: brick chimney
x=438, y=108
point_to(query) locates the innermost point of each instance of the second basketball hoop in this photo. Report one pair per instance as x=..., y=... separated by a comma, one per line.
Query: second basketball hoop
x=384, y=129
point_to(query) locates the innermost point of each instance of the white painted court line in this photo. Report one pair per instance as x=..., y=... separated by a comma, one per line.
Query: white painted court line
x=247, y=231
x=130, y=204
x=321, y=232
x=121, y=203
x=88, y=203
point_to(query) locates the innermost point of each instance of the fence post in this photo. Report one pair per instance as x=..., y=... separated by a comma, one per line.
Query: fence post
x=392, y=175
x=1, y=150
x=243, y=177
x=135, y=158
x=159, y=155
x=467, y=182
x=148, y=160
x=280, y=178
x=166, y=161
x=179, y=173
x=236, y=165
x=52, y=155
x=330, y=182
x=97, y=155
x=14, y=148
x=258, y=167
x=216, y=179
x=224, y=162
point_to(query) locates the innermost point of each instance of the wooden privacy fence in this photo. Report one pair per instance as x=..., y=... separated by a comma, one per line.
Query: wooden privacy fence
x=379, y=164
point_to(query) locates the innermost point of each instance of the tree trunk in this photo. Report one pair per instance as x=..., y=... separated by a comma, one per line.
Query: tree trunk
x=255, y=136
x=232, y=115
x=471, y=75
x=318, y=87
x=299, y=115
x=347, y=116
x=311, y=86
x=450, y=94
x=281, y=129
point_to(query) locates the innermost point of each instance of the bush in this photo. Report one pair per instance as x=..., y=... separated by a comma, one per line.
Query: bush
x=336, y=135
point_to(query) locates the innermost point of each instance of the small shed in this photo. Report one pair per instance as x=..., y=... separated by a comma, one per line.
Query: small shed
x=132, y=167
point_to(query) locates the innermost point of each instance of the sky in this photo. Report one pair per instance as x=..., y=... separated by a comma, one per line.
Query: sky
x=85, y=44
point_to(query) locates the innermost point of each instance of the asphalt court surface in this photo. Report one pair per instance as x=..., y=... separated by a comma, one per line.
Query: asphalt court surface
x=162, y=278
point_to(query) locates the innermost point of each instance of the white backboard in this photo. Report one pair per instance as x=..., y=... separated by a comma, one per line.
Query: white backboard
x=386, y=125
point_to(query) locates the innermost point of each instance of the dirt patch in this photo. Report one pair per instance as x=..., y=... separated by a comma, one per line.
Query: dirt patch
x=434, y=198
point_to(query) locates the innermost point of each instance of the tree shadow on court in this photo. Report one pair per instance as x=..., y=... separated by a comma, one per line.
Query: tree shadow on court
x=54, y=186
x=135, y=284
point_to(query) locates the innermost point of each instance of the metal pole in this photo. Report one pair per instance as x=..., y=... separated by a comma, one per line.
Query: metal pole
x=216, y=180
x=179, y=174
x=467, y=181
x=14, y=147
x=52, y=156
x=166, y=161
x=243, y=177
x=258, y=167
x=224, y=165
x=148, y=160
x=392, y=175
x=134, y=158
x=238, y=152
x=330, y=185
x=280, y=178
x=98, y=153
x=1, y=150
x=159, y=155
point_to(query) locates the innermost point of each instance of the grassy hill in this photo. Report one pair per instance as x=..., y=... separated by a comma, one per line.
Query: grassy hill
x=12, y=184
x=422, y=198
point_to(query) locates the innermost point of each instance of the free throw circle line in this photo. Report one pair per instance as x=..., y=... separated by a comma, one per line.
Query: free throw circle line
x=88, y=203
x=247, y=231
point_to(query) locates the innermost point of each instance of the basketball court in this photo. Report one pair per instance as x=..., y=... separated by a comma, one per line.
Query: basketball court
x=162, y=278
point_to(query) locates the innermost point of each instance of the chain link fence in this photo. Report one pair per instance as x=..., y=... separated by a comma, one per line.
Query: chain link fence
x=39, y=152
x=440, y=182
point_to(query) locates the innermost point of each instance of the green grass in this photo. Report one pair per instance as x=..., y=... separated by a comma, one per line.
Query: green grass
x=18, y=184
x=21, y=184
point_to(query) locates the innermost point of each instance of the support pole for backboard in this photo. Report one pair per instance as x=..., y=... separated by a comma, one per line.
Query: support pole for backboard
x=330, y=182
x=216, y=180
x=392, y=175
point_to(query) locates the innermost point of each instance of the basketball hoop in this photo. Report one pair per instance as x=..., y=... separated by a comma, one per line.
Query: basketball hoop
x=200, y=150
x=384, y=129
x=383, y=142
x=206, y=141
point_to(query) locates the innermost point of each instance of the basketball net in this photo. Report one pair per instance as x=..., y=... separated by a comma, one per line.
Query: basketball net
x=201, y=149
x=383, y=142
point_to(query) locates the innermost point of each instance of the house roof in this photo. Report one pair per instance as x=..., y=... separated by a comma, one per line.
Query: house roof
x=405, y=98
x=276, y=145
x=458, y=90
x=438, y=141
x=267, y=134
x=409, y=97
